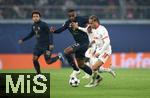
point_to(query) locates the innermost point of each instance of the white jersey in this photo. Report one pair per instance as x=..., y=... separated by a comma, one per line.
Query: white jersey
x=101, y=38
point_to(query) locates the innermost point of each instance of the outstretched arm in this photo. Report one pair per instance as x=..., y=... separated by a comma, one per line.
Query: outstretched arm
x=30, y=35
x=61, y=29
x=75, y=26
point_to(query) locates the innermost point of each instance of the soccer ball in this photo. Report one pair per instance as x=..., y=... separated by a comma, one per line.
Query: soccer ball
x=74, y=81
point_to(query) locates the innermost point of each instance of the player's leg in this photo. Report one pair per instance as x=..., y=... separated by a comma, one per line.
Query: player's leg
x=107, y=70
x=68, y=54
x=36, y=55
x=87, y=62
x=96, y=78
x=100, y=60
x=88, y=56
x=79, y=51
x=83, y=66
x=48, y=58
x=36, y=64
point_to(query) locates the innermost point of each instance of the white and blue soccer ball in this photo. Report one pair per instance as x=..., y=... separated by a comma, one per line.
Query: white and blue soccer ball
x=74, y=81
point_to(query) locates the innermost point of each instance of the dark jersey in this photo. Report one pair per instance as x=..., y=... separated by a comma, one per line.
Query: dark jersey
x=42, y=34
x=78, y=35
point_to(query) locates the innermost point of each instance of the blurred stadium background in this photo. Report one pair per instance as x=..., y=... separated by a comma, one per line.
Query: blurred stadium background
x=128, y=23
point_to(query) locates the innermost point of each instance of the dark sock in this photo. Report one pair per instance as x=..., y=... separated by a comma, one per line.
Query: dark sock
x=70, y=60
x=98, y=76
x=87, y=69
x=37, y=66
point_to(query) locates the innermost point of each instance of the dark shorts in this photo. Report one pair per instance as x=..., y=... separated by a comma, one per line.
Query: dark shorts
x=38, y=51
x=80, y=49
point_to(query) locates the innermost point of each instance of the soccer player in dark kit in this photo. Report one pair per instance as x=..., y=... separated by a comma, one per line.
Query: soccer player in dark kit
x=81, y=45
x=44, y=41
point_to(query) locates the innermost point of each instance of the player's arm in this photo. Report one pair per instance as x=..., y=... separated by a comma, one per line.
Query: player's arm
x=51, y=46
x=106, y=40
x=75, y=26
x=30, y=35
x=61, y=29
x=106, y=44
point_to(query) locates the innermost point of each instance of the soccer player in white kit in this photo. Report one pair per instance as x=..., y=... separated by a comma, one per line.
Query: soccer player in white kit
x=99, y=50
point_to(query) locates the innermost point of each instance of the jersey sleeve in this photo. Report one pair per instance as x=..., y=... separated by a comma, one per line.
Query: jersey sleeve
x=30, y=35
x=105, y=38
x=83, y=29
x=63, y=28
x=104, y=33
x=49, y=33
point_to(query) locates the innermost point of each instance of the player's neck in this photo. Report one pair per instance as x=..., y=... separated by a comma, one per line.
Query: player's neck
x=97, y=25
x=37, y=22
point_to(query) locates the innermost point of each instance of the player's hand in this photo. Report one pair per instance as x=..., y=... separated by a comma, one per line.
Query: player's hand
x=51, y=47
x=89, y=29
x=96, y=55
x=20, y=41
x=74, y=25
x=52, y=29
x=90, y=45
x=48, y=52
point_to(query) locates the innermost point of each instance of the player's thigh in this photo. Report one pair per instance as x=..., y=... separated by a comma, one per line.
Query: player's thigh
x=100, y=60
x=47, y=55
x=89, y=52
x=79, y=47
x=68, y=50
x=80, y=62
x=97, y=65
x=36, y=54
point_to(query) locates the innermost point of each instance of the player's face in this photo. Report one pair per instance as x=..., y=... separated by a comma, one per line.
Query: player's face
x=36, y=17
x=91, y=23
x=72, y=16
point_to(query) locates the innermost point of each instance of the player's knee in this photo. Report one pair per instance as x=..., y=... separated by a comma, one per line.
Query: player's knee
x=80, y=63
x=95, y=68
x=48, y=62
x=81, y=66
x=35, y=58
x=68, y=50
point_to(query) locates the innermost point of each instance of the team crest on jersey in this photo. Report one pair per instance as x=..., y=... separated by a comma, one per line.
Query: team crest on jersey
x=36, y=30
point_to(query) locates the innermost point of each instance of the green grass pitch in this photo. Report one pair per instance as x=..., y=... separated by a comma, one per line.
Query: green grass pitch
x=129, y=83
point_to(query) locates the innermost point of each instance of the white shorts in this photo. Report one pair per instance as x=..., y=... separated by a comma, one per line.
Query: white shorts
x=89, y=52
x=102, y=57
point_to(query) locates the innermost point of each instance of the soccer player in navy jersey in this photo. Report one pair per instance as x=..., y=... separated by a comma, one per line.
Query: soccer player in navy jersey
x=81, y=45
x=44, y=41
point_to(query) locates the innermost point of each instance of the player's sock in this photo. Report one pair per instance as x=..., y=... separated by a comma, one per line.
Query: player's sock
x=87, y=69
x=70, y=60
x=101, y=69
x=37, y=66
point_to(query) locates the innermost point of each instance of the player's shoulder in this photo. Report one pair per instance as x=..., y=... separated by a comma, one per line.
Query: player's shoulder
x=66, y=23
x=43, y=23
x=102, y=27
